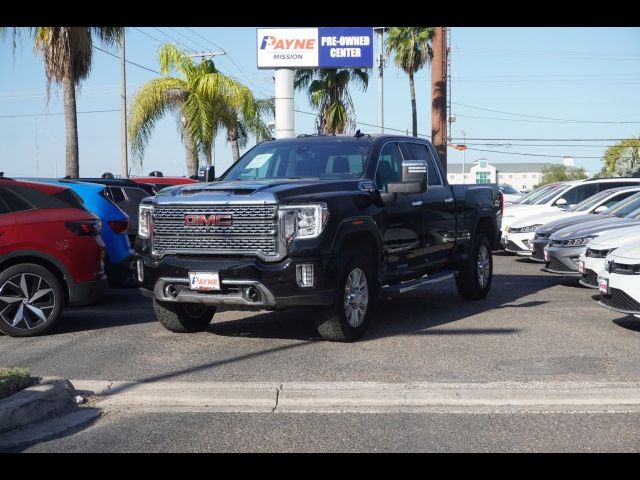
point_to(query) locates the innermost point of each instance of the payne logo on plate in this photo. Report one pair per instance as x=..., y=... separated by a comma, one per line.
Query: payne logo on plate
x=204, y=281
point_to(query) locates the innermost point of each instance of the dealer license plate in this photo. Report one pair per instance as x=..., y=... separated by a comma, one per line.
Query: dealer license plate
x=581, y=266
x=204, y=281
x=603, y=286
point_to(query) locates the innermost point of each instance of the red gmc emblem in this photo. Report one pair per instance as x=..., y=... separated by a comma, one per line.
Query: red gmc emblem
x=220, y=219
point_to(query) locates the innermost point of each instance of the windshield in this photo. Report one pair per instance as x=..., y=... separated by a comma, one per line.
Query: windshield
x=508, y=189
x=625, y=207
x=549, y=194
x=534, y=194
x=334, y=159
x=592, y=201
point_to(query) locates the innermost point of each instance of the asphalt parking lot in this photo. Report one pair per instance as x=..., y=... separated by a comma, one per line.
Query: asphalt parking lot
x=533, y=327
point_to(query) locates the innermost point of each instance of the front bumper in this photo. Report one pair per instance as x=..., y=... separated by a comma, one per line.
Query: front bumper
x=518, y=243
x=245, y=283
x=564, y=260
x=624, y=294
x=592, y=266
x=87, y=292
x=538, y=245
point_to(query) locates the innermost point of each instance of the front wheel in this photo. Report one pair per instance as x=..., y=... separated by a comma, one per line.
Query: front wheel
x=346, y=320
x=475, y=276
x=183, y=317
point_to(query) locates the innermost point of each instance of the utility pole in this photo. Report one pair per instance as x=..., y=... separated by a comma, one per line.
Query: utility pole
x=380, y=61
x=464, y=152
x=124, y=152
x=439, y=95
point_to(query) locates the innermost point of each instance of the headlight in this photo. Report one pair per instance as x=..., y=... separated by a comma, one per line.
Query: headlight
x=144, y=220
x=577, y=242
x=527, y=229
x=303, y=221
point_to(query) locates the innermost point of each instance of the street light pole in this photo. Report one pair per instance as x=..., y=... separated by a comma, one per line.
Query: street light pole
x=124, y=153
x=380, y=61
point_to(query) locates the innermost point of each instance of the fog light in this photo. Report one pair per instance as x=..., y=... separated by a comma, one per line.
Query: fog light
x=304, y=275
x=140, y=270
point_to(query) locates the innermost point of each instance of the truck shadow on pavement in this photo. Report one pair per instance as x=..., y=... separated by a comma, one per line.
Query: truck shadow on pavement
x=415, y=313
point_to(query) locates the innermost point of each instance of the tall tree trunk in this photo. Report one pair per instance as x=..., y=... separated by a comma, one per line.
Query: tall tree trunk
x=414, y=112
x=70, y=123
x=209, y=156
x=235, y=148
x=192, y=155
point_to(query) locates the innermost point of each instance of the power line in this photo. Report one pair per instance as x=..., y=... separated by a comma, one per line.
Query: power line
x=188, y=38
x=529, y=154
x=536, y=116
x=128, y=61
x=569, y=122
x=171, y=38
x=160, y=42
x=56, y=113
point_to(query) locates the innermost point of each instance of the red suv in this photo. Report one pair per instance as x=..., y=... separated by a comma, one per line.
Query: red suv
x=50, y=255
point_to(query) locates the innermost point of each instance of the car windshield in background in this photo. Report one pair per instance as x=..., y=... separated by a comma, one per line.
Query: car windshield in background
x=547, y=195
x=313, y=159
x=508, y=189
x=534, y=194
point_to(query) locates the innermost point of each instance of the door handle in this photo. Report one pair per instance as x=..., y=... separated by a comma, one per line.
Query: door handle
x=448, y=200
x=416, y=203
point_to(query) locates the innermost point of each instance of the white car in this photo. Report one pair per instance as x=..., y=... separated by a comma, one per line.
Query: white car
x=561, y=196
x=509, y=193
x=619, y=282
x=520, y=233
x=592, y=261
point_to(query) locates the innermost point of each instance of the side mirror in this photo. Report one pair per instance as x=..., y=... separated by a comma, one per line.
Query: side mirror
x=208, y=174
x=562, y=203
x=414, y=178
x=601, y=209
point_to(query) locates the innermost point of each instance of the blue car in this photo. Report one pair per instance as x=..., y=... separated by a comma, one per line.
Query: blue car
x=114, y=229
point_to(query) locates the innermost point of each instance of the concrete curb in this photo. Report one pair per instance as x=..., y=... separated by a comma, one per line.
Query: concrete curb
x=47, y=429
x=369, y=397
x=52, y=397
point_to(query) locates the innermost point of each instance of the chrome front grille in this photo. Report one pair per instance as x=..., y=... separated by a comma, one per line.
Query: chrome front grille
x=253, y=231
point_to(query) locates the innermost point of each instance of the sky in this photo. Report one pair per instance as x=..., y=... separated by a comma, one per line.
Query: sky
x=518, y=94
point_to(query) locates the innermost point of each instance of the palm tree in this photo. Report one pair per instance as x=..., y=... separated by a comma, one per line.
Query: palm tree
x=68, y=55
x=411, y=47
x=200, y=96
x=328, y=91
x=239, y=125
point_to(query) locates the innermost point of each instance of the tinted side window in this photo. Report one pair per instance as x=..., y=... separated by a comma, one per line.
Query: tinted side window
x=136, y=194
x=15, y=202
x=389, y=166
x=618, y=198
x=577, y=194
x=608, y=185
x=3, y=206
x=419, y=152
x=116, y=195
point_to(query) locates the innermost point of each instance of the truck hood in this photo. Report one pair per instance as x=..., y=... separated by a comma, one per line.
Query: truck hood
x=255, y=192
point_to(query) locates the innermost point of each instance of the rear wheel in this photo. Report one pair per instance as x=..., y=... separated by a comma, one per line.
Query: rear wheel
x=31, y=300
x=475, y=276
x=183, y=317
x=346, y=320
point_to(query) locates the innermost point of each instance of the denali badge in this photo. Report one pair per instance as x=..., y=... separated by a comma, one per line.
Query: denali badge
x=220, y=219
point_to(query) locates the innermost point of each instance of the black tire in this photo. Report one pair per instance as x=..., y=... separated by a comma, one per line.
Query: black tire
x=469, y=282
x=38, y=314
x=183, y=317
x=331, y=322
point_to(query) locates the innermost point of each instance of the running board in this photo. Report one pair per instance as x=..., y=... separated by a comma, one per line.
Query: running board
x=419, y=282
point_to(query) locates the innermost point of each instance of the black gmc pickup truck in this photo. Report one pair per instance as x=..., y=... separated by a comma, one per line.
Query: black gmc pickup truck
x=322, y=221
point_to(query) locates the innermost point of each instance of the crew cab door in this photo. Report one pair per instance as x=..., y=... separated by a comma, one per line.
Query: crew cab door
x=438, y=207
x=403, y=236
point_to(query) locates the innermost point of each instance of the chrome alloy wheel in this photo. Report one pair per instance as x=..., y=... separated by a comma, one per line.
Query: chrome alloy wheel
x=483, y=265
x=356, y=297
x=26, y=301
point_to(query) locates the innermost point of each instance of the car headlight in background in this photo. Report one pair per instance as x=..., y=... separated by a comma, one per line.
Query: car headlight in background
x=145, y=213
x=526, y=229
x=302, y=221
x=576, y=242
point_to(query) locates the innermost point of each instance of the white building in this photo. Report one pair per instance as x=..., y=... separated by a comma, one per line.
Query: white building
x=522, y=176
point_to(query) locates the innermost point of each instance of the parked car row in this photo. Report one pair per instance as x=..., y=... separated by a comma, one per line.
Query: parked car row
x=597, y=241
x=63, y=241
